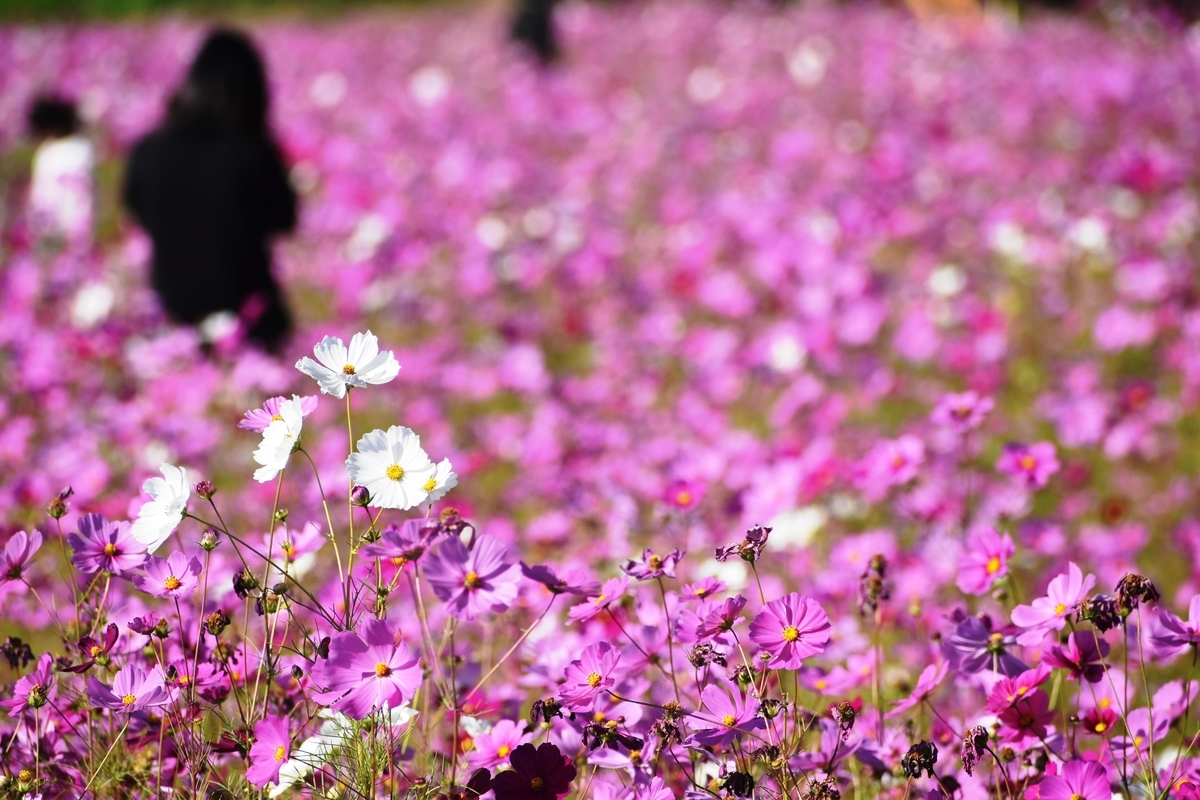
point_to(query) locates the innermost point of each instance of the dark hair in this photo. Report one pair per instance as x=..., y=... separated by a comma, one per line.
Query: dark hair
x=225, y=90
x=52, y=117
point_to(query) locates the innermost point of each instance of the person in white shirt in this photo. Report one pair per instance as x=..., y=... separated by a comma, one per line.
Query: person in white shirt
x=61, y=199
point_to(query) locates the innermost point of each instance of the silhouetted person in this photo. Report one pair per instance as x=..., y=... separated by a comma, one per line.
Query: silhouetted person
x=210, y=187
x=533, y=26
x=60, y=190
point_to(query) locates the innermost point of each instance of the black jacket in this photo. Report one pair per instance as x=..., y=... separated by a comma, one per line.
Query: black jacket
x=210, y=203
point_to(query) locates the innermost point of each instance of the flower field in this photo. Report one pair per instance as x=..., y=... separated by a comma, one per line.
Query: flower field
x=763, y=402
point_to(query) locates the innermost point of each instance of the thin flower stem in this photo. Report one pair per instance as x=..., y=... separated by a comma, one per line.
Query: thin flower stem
x=103, y=761
x=337, y=554
x=662, y=592
x=350, y=509
x=511, y=650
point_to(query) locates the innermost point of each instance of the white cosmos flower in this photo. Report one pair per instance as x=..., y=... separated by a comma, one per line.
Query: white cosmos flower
x=392, y=467
x=279, y=439
x=168, y=501
x=340, y=367
x=444, y=479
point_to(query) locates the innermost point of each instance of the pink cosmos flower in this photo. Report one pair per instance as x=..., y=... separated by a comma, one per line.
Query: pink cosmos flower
x=173, y=576
x=1031, y=464
x=494, y=747
x=257, y=419
x=892, y=462
x=471, y=582
x=791, y=629
x=18, y=553
x=961, y=412
x=1078, y=780
x=683, y=494
x=612, y=591
x=132, y=690
x=1049, y=613
x=35, y=689
x=366, y=670
x=728, y=717
x=656, y=789
x=543, y=773
x=1008, y=691
x=985, y=561
x=272, y=745
x=103, y=546
x=720, y=620
x=1173, y=633
x=929, y=680
x=702, y=589
x=588, y=677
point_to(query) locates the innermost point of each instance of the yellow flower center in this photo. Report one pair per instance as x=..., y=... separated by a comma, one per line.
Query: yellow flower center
x=1104, y=702
x=791, y=633
x=822, y=684
x=1101, y=727
x=172, y=583
x=24, y=776
x=684, y=498
x=1076, y=797
x=1060, y=608
x=898, y=462
x=599, y=716
x=276, y=418
x=1027, y=463
x=594, y=679
x=96, y=650
x=280, y=752
x=382, y=670
x=348, y=369
x=399, y=561
x=128, y=700
x=430, y=485
x=993, y=565
x=1137, y=741
x=1022, y=690
x=728, y=720
x=395, y=472
x=598, y=599
x=110, y=549
x=503, y=750
x=471, y=580
x=655, y=563
x=537, y=784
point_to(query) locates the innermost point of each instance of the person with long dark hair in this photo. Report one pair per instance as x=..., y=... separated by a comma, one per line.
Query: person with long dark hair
x=210, y=187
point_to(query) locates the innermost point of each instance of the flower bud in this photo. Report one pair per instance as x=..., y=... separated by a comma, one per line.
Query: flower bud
x=359, y=496
x=281, y=515
x=209, y=541
x=205, y=490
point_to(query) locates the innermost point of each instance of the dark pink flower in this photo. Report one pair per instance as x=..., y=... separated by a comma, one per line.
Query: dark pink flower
x=35, y=689
x=1078, y=780
x=173, y=576
x=366, y=670
x=543, y=773
x=475, y=581
x=720, y=620
x=105, y=546
x=985, y=561
x=494, y=747
x=270, y=750
x=588, y=677
x=791, y=629
x=94, y=651
x=132, y=690
x=1081, y=656
x=1031, y=464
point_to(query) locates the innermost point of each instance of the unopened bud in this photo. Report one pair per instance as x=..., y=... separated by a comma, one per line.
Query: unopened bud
x=359, y=496
x=205, y=490
x=281, y=515
x=209, y=541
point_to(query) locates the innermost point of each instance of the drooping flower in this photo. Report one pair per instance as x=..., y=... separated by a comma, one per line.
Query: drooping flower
x=443, y=480
x=1078, y=780
x=471, y=582
x=612, y=591
x=728, y=716
x=962, y=412
x=791, y=629
x=1173, y=632
x=257, y=419
x=543, y=773
x=930, y=678
x=35, y=689
x=173, y=576
x=18, y=553
x=1050, y=613
x=974, y=647
x=749, y=548
x=270, y=751
x=985, y=561
x=168, y=503
x=93, y=651
x=573, y=581
x=105, y=546
x=280, y=439
x=494, y=746
x=1031, y=464
x=338, y=368
x=1082, y=656
x=132, y=690
x=392, y=467
x=589, y=676
x=367, y=670
x=652, y=565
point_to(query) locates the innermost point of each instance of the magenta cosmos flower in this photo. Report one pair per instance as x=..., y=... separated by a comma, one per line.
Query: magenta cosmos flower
x=269, y=751
x=103, y=546
x=132, y=690
x=1079, y=780
x=366, y=670
x=791, y=629
x=930, y=678
x=985, y=561
x=1174, y=633
x=173, y=576
x=495, y=746
x=1031, y=464
x=728, y=716
x=612, y=591
x=1049, y=613
x=961, y=412
x=18, y=553
x=588, y=677
x=473, y=581
x=35, y=689
x=543, y=773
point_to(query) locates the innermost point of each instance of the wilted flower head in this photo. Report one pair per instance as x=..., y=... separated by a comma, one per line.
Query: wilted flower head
x=1133, y=590
x=921, y=757
x=974, y=747
x=748, y=549
x=1102, y=611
